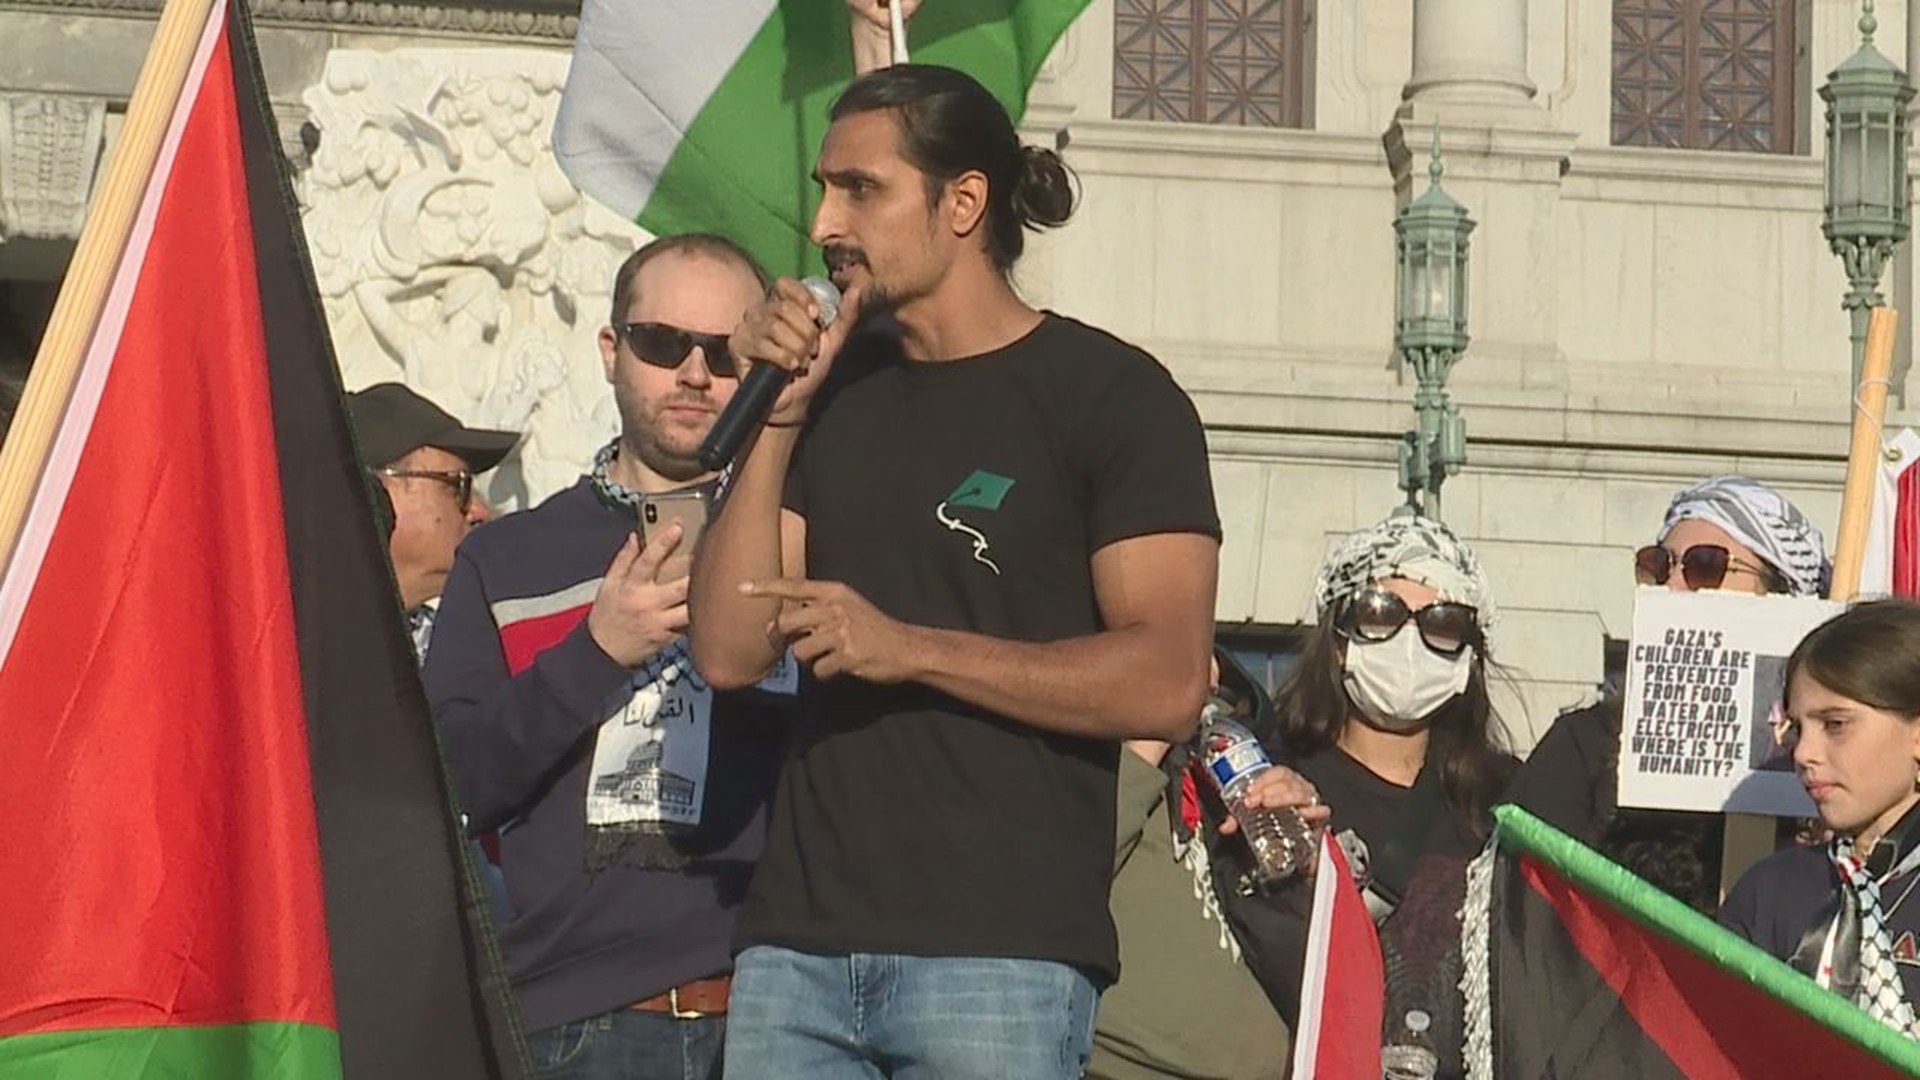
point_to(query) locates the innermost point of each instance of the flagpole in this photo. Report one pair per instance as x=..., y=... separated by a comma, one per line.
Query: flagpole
x=1863, y=457
x=1748, y=838
x=96, y=258
x=897, y=20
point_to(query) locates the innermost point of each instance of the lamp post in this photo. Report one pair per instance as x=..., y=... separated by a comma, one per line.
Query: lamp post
x=1866, y=200
x=1430, y=333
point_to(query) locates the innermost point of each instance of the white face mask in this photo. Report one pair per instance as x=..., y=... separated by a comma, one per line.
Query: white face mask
x=1398, y=683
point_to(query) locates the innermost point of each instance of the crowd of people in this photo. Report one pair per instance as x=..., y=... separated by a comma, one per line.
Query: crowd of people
x=913, y=793
x=881, y=763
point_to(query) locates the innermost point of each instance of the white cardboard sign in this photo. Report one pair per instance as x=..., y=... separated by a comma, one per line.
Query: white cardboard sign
x=1704, y=676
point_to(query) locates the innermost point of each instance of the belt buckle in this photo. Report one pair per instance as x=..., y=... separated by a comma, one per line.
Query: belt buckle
x=673, y=1006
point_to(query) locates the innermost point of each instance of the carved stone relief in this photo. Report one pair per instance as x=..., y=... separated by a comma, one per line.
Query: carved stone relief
x=452, y=255
x=49, y=152
x=540, y=19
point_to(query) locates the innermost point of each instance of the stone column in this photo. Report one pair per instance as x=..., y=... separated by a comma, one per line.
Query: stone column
x=1468, y=83
x=1469, y=55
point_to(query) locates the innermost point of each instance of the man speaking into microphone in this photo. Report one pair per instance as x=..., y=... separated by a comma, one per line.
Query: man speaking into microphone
x=992, y=542
x=761, y=387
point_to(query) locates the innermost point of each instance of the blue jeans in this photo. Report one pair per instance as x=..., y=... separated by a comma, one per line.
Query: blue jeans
x=630, y=1045
x=798, y=1016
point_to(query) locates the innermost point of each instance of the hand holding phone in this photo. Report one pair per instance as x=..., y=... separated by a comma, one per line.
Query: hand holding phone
x=690, y=507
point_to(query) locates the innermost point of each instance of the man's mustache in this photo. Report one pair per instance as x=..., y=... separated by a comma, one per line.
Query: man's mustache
x=841, y=256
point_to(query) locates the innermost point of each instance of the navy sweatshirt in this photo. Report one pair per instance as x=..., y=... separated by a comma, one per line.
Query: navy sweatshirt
x=519, y=691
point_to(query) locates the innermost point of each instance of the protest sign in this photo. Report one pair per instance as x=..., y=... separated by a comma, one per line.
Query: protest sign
x=1704, y=677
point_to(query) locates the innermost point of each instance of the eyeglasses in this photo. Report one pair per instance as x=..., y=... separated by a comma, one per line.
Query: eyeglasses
x=1704, y=566
x=1376, y=614
x=460, y=480
x=664, y=345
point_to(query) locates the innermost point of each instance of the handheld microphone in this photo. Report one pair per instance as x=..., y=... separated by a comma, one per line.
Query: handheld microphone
x=759, y=389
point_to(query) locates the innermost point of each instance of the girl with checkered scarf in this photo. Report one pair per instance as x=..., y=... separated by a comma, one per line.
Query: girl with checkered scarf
x=1840, y=913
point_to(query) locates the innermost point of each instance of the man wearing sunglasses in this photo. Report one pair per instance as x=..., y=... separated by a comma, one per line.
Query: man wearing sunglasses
x=1725, y=532
x=628, y=799
x=425, y=461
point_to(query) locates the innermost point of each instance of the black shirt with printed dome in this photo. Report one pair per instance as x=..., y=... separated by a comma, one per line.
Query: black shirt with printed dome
x=968, y=495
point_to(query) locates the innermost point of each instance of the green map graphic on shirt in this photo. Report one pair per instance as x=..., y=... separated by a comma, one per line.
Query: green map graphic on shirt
x=982, y=489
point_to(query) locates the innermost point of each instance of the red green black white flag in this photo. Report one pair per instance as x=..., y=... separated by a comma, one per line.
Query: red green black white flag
x=1577, y=969
x=226, y=845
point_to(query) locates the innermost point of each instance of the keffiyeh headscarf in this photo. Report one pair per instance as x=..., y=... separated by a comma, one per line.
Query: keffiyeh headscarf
x=1416, y=548
x=1762, y=519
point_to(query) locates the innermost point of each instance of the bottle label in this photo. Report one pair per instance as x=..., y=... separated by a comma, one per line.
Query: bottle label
x=1237, y=761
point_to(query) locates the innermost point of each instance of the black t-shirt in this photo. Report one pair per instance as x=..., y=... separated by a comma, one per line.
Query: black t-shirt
x=969, y=495
x=1371, y=805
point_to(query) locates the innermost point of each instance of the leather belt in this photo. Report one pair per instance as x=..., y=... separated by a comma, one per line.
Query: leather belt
x=692, y=1000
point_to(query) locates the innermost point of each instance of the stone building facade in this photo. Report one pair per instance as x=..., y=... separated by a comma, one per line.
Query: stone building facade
x=1651, y=297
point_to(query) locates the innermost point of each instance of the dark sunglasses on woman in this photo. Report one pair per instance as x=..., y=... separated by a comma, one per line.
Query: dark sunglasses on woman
x=1376, y=614
x=1702, y=566
x=664, y=345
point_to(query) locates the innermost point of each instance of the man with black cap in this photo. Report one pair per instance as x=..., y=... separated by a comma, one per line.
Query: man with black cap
x=426, y=461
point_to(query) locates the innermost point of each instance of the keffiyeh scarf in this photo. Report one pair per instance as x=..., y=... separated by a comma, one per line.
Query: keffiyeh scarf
x=1416, y=548
x=648, y=845
x=1848, y=950
x=1762, y=519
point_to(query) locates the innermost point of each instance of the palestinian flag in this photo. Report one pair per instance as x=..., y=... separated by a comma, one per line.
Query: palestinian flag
x=1343, y=984
x=1590, y=972
x=226, y=846
x=692, y=115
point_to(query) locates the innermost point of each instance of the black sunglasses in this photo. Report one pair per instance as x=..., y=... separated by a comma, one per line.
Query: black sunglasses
x=460, y=480
x=1376, y=614
x=666, y=346
x=1703, y=566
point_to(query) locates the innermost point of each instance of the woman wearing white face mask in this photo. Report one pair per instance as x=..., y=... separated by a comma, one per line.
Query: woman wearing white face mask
x=1389, y=696
x=1386, y=713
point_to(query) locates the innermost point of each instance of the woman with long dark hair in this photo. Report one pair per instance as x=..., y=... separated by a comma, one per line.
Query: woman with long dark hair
x=1387, y=713
x=1362, y=694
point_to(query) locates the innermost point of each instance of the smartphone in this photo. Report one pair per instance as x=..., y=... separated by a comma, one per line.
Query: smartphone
x=689, y=507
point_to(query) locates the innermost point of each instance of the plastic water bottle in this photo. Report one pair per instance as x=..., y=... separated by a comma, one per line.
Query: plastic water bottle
x=1411, y=1056
x=1282, y=843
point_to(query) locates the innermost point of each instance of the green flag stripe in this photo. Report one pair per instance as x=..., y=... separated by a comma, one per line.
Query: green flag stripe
x=1648, y=906
x=744, y=166
x=262, y=1051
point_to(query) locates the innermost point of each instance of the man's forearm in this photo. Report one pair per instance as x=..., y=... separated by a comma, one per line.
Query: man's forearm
x=727, y=631
x=1120, y=684
x=505, y=732
x=505, y=738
